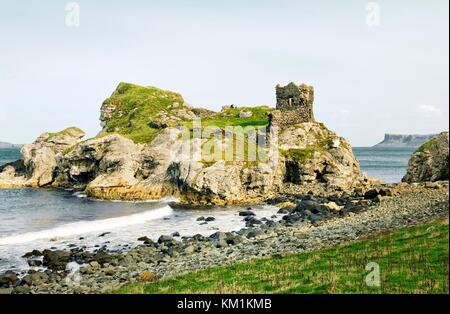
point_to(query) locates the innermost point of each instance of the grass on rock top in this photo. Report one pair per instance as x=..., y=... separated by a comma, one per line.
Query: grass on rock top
x=425, y=147
x=411, y=260
x=65, y=131
x=135, y=106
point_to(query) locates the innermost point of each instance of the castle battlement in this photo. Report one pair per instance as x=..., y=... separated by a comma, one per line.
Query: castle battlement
x=294, y=105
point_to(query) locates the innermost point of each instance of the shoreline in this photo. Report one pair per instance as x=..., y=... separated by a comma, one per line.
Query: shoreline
x=300, y=230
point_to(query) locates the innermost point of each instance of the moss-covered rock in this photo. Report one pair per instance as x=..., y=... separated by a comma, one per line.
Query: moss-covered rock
x=430, y=161
x=139, y=112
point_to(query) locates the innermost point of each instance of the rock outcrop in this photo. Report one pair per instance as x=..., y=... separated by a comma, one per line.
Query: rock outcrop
x=313, y=154
x=147, y=150
x=39, y=159
x=430, y=161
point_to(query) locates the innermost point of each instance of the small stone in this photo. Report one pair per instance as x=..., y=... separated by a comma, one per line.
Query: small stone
x=189, y=250
x=371, y=194
x=246, y=213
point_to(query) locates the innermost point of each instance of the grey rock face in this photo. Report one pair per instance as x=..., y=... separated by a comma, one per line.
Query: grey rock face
x=430, y=161
x=39, y=159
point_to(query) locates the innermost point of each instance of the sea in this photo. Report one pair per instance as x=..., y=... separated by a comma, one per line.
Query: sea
x=55, y=218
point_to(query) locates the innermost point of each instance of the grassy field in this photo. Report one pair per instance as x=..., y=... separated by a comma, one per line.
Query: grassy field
x=411, y=260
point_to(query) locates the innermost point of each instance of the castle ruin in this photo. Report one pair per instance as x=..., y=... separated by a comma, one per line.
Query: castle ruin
x=294, y=105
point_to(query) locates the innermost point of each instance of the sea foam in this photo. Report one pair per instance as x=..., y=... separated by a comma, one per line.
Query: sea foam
x=85, y=227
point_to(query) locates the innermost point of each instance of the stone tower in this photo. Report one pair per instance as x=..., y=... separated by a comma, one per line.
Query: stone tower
x=294, y=105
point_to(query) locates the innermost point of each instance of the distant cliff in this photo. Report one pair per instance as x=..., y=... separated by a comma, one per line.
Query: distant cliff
x=400, y=140
x=9, y=145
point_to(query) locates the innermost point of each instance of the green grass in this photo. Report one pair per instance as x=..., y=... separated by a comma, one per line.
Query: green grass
x=65, y=131
x=135, y=107
x=230, y=117
x=425, y=147
x=411, y=260
x=303, y=154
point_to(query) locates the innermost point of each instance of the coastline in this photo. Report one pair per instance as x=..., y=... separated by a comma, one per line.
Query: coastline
x=298, y=231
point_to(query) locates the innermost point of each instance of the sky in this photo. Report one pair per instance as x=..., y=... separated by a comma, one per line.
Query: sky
x=377, y=67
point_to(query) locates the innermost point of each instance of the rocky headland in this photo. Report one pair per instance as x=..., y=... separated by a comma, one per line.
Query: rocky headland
x=143, y=152
x=403, y=140
x=308, y=172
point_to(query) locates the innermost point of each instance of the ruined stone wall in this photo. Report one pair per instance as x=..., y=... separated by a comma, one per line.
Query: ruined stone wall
x=286, y=118
x=294, y=105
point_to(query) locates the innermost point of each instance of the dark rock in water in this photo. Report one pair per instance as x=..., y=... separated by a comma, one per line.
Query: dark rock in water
x=210, y=219
x=103, y=234
x=33, y=253
x=203, y=223
x=284, y=210
x=371, y=194
x=144, y=239
x=80, y=238
x=252, y=222
x=34, y=263
x=201, y=218
x=8, y=279
x=176, y=234
x=165, y=239
x=56, y=260
x=245, y=213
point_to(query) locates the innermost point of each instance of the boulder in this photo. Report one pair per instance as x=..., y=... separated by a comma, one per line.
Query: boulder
x=8, y=279
x=430, y=161
x=39, y=159
x=34, y=279
x=56, y=260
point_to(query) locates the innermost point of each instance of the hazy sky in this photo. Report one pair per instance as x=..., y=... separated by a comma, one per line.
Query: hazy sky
x=368, y=79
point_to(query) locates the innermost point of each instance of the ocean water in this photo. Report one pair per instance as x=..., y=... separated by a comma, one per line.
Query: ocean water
x=33, y=218
x=387, y=163
x=9, y=154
